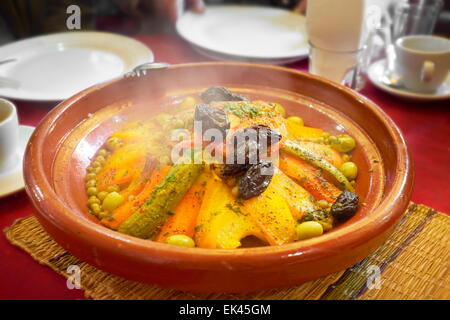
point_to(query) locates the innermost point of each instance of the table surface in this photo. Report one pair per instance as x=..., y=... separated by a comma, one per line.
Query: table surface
x=426, y=127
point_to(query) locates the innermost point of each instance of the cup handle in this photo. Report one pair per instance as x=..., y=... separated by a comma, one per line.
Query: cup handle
x=427, y=71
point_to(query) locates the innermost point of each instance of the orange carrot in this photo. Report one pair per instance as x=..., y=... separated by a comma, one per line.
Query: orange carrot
x=184, y=219
x=309, y=178
x=122, y=213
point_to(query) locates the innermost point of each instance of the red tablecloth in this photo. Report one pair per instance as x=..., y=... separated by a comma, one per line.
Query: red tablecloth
x=426, y=127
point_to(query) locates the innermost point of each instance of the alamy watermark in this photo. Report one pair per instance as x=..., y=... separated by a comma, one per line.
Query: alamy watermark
x=73, y=21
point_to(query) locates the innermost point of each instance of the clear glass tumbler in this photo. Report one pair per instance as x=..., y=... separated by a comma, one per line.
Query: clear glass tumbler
x=343, y=67
x=415, y=17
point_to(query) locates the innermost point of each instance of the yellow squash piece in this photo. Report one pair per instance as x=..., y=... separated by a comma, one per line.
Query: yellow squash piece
x=296, y=131
x=221, y=224
x=297, y=198
x=272, y=215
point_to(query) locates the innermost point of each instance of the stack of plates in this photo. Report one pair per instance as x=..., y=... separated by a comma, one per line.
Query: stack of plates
x=246, y=33
x=55, y=67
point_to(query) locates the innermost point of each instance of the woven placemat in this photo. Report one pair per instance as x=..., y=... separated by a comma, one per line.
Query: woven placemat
x=413, y=263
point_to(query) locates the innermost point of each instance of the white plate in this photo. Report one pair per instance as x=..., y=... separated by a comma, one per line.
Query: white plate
x=55, y=67
x=12, y=180
x=249, y=32
x=376, y=71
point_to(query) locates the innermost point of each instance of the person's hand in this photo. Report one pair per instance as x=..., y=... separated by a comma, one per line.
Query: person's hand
x=173, y=9
x=165, y=9
x=301, y=7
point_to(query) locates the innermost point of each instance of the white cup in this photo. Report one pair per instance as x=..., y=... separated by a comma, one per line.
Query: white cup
x=422, y=61
x=9, y=136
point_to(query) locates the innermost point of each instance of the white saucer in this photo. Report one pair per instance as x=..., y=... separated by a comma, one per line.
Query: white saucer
x=252, y=33
x=375, y=74
x=54, y=67
x=11, y=181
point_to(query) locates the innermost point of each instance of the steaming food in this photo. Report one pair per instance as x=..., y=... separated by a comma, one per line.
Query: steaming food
x=234, y=170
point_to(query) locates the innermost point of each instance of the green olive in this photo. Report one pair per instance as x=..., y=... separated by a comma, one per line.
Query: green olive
x=98, y=169
x=102, y=152
x=90, y=169
x=112, y=201
x=349, y=169
x=308, y=229
x=333, y=140
x=188, y=103
x=346, y=158
x=113, y=143
x=91, y=183
x=102, y=195
x=279, y=108
x=345, y=143
x=295, y=120
x=181, y=240
x=113, y=188
x=92, y=191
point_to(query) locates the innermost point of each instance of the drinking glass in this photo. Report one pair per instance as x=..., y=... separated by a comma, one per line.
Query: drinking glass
x=343, y=67
x=412, y=17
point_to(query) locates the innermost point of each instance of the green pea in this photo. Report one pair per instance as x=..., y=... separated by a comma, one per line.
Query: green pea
x=162, y=118
x=181, y=240
x=177, y=123
x=93, y=199
x=90, y=176
x=345, y=143
x=279, y=108
x=295, y=120
x=112, y=201
x=188, y=103
x=113, y=188
x=113, y=143
x=102, y=195
x=103, y=214
x=308, y=229
x=346, y=158
x=100, y=159
x=96, y=164
x=95, y=208
x=91, y=183
x=349, y=169
x=92, y=191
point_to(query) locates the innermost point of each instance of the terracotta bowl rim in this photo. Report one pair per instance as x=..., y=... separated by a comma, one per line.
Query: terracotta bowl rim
x=390, y=209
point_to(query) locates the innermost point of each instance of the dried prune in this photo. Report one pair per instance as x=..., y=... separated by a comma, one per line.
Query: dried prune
x=232, y=169
x=218, y=93
x=256, y=180
x=251, y=143
x=212, y=118
x=345, y=206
